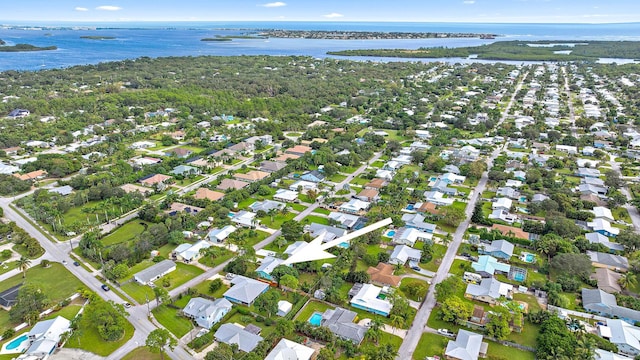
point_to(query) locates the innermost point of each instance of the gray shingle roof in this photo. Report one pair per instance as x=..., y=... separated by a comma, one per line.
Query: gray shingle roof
x=232, y=334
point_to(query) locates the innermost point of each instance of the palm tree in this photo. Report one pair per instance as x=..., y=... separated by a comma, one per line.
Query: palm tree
x=627, y=280
x=374, y=330
x=272, y=213
x=23, y=264
x=396, y=321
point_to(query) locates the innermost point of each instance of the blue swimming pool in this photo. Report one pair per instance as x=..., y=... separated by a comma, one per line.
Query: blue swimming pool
x=530, y=258
x=15, y=343
x=519, y=277
x=315, y=319
x=390, y=233
x=344, y=245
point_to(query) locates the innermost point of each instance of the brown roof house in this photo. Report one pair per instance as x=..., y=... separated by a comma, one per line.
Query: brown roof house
x=251, y=176
x=383, y=275
x=204, y=193
x=34, y=175
x=376, y=184
x=298, y=150
x=155, y=180
x=369, y=195
x=232, y=184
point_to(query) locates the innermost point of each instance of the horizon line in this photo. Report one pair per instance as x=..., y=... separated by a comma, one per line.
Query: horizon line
x=23, y=22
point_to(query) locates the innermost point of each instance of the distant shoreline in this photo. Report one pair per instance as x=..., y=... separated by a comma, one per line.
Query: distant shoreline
x=23, y=47
x=370, y=35
x=89, y=37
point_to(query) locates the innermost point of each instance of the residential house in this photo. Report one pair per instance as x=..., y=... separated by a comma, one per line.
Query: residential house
x=286, y=195
x=607, y=355
x=501, y=249
x=284, y=307
x=403, y=253
x=503, y=215
x=348, y=221
x=588, y=189
x=604, y=304
x=154, y=180
x=284, y=157
x=185, y=170
x=9, y=297
x=508, y=192
x=188, y=252
x=513, y=183
x=368, y=299
x=289, y=350
x=44, y=338
x=417, y=221
x=232, y=334
x=177, y=207
x=443, y=187
x=607, y=280
x=303, y=186
x=340, y=322
x=466, y=346
x=204, y=193
x=220, y=235
x=33, y=175
x=382, y=275
x=266, y=206
x=313, y=176
x=368, y=195
x=130, y=188
x=609, y=261
x=264, y=139
x=154, y=272
x=12, y=151
x=520, y=175
x=62, y=190
x=245, y=290
x=513, y=232
x=489, y=291
x=271, y=166
x=142, y=145
x=438, y=198
x=452, y=169
x=597, y=238
x=206, y=312
x=409, y=236
x=625, y=336
x=252, y=176
x=266, y=267
x=144, y=161
x=181, y=153
x=571, y=150
x=588, y=172
x=298, y=150
x=502, y=204
x=245, y=219
x=601, y=212
x=603, y=227
x=227, y=184
x=451, y=178
x=487, y=266
x=327, y=232
x=354, y=206
x=376, y=184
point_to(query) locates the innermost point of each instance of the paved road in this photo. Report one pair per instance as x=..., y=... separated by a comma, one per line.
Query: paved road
x=632, y=210
x=412, y=338
x=567, y=90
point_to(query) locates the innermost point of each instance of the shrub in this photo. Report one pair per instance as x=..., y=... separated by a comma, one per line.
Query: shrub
x=8, y=333
x=259, y=318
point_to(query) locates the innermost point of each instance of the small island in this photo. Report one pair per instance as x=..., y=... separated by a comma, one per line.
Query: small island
x=516, y=51
x=367, y=35
x=93, y=37
x=219, y=38
x=24, y=47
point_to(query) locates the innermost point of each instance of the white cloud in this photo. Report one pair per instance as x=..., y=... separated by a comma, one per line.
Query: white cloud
x=109, y=8
x=274, y=4
x=469, y=2
x=81, y=9
x=333, y=15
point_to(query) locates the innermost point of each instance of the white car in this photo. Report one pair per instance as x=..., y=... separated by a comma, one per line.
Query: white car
x=446, y=332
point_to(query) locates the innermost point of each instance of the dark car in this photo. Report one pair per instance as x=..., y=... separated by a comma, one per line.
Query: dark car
x=76, y=263
x=105, y=287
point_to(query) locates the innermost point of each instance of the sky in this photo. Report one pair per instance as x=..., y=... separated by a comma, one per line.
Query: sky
x=481, y=11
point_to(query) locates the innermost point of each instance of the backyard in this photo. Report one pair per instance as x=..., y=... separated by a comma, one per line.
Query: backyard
x=181, y=275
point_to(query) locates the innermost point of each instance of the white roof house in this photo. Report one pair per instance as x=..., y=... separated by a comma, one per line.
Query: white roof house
x=467, y=346
x=502, y=204
x=44, y=337
x=305, y=185
x=409, y=236
x=367, y=299
x=155, y=272
x=220, y=235
x=233, y=334
x=289, y=350
x=187, y=252
x=284, y=307
x=489, y=290
x=286, y=195
x=625, y=336
x=438, y=198
x=607, y=355
x=603, y=227
x=206, y=312
x=402, y=253
x=245, y=218
x=354, y=206
x=602, y=212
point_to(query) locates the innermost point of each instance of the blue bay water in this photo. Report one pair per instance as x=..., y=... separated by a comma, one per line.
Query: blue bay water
x=133, y=40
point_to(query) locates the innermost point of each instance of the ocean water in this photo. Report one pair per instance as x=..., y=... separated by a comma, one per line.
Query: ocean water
x=133, y=40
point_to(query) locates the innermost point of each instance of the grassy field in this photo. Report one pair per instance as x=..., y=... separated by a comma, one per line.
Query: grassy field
x=336, y=178
x=55, y=281
x=297, y=207
x=68, y=312
x=407, y=281
x=142, y=353
x=181, y=275
x=429, y=345
x=504, y=352
x=438, y=254
x=208, y=261
x=322, y=211
x=315, y=219
x=90, y=340
x=125, y=233
x=310, y=308
x=277, y=220
x=170, y=319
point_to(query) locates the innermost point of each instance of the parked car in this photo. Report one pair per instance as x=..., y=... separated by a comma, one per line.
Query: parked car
x=446, y=332
x=76, y=263
x=105, y=287
x=127, y=305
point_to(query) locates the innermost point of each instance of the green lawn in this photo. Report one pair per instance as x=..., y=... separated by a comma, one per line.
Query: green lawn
x=20, y=249
x=504, y=352
x=181, y=275
x=407, y=281
x=55, y=281
x=438, y=254
x=528, y=335
x=208, y=261
x=315, y=219
x=429, y=345
x=203, y=288
x=125, y=233
x=170, y=319
x=337, y=178
x=322, y=211
x=310, y=308
x=359, y=181
x=297, y=207
x=142, y=353
x=379, y=164
x=277, y=220
x=68, y=312
x=90, y=340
